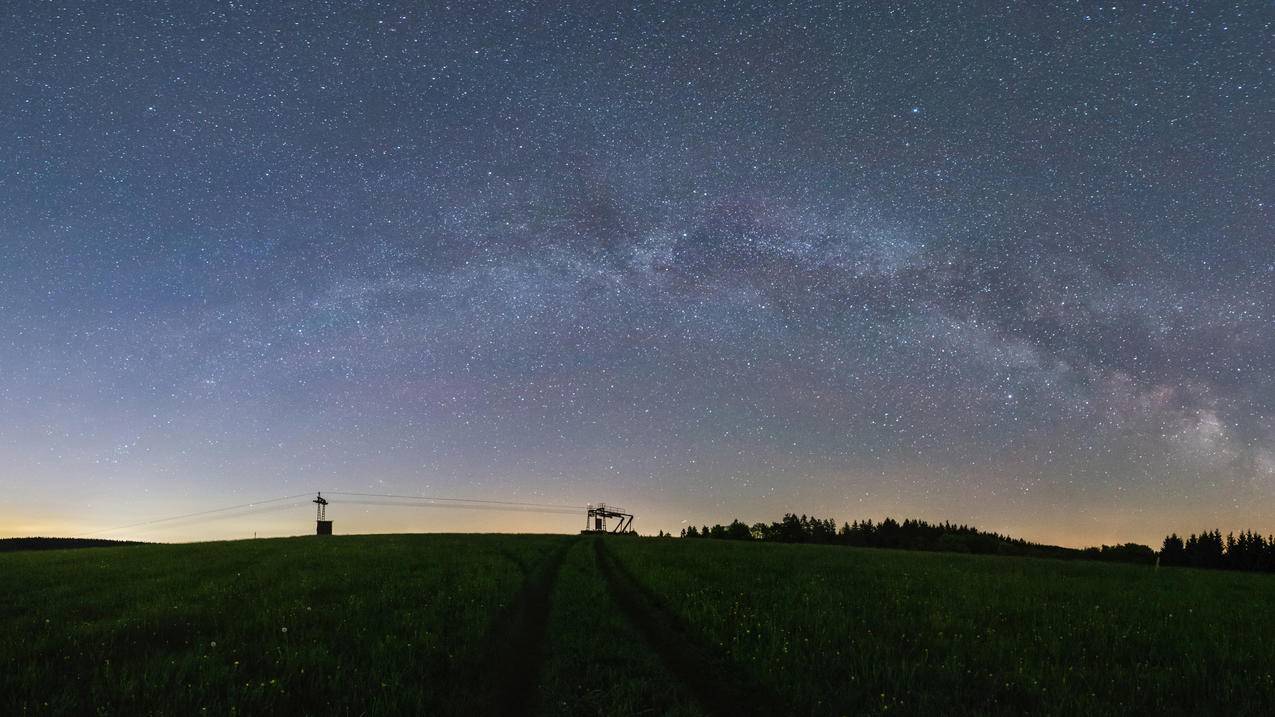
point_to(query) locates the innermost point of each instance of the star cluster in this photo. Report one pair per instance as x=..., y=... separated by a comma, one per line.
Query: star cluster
x=1001, y=264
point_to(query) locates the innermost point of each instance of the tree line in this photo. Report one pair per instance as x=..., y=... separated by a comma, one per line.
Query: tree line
x=913, y=534
x=12, y=544
x=1247, y=551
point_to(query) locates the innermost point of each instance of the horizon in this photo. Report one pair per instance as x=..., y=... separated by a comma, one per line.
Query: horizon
x=412, y=519
x=1006, y=267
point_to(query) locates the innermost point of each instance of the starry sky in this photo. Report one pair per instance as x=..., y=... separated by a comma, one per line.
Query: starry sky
x=998, y=263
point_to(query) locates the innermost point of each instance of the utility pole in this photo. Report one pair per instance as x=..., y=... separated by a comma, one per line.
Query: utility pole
x=323, y=526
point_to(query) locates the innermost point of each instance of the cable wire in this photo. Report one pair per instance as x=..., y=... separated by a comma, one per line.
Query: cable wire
x=421, y=502
x=199, y=513
x=462, y=500
x=460, y=506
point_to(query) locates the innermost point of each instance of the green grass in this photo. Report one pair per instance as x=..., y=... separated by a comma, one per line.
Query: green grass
x=343, y=626
x=837, y=630
x=598, y=663
x=424, y=624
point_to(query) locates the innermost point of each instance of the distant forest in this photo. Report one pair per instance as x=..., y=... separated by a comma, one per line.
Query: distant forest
x=1248, y=551
x=12, y=544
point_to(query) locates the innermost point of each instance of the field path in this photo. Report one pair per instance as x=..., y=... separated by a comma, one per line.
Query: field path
x=515, y=645
x=705, y=672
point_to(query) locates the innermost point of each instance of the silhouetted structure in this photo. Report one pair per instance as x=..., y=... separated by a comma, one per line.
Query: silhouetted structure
x=596, y=519
x=322, y=527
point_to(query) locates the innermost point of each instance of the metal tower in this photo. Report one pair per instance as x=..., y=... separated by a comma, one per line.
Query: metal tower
x=322, y=526
x=596, y=519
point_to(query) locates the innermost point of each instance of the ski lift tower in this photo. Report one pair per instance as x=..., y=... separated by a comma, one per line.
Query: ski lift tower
x=596, y=520
x=322, y=526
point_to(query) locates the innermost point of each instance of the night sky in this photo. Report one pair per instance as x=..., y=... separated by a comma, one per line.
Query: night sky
x=982, y=262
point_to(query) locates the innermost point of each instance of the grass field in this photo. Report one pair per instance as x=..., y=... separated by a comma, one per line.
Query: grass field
x=485, y=624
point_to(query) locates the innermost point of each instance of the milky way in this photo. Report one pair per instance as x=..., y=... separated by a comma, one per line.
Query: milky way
x=1011, y=266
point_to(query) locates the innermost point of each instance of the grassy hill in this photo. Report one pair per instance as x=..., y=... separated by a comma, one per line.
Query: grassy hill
x=488, y=624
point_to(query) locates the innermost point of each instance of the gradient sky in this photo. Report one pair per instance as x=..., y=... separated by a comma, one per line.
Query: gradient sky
x=1011, y=265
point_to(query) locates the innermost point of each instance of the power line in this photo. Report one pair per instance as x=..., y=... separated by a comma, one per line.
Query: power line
x=199, y=513
x=423, y=502
x=459, y=506
x=463, y=500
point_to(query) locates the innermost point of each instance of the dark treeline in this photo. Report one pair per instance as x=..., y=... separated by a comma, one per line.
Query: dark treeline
x=1247, y=551
x=11, y=544
x=911, y=535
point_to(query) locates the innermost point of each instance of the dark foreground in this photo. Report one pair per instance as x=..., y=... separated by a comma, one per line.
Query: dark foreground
x=485, y=624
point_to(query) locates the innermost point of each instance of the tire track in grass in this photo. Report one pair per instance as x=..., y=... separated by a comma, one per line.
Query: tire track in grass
x=716, y=685
x=597, y=663
x=514, y=647
x=505, y=678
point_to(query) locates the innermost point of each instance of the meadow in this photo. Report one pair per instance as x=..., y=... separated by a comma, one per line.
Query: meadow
x=833, y=630
x=352, y=625
x=582, y=625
